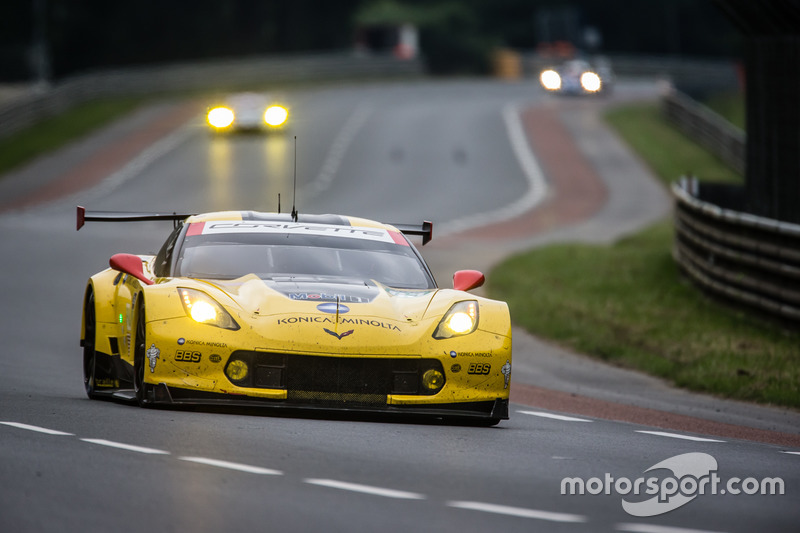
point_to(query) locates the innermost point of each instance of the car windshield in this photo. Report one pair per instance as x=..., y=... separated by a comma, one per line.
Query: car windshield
x=273, y=256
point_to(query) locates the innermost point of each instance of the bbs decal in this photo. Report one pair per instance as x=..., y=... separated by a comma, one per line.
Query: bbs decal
x=479, y=368
x=188, y=356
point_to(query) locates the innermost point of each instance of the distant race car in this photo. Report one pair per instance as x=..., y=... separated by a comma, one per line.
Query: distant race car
x=243, y=308
x=578, y=77
x=248, y=111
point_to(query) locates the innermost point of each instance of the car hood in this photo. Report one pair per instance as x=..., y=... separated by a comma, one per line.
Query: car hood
x=306, y=296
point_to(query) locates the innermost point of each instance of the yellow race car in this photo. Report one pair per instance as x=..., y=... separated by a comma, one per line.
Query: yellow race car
x=243, y=308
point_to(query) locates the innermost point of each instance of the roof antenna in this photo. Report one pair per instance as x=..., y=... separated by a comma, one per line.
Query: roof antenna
x=294, y=191
x=279, y=203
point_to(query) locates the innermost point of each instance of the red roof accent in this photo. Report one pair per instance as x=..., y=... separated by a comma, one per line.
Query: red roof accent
x=195, y=228
x=398, y=238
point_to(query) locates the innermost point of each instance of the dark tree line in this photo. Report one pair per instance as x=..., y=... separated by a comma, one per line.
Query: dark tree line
x=456, y=35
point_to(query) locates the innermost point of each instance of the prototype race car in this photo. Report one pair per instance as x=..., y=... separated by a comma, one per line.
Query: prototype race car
x=578, y=77
x=243, y=308
x=248, y=111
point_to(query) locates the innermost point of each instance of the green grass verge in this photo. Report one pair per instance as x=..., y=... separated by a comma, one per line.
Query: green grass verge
x=55, y=132
x=666, y=150
x=627, y=304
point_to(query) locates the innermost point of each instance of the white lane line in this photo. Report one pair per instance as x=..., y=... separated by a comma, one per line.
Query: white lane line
x=518, y=511
x=128, y=447
x=537, y=183
x=341, y=143
x=365, y=489
x=35, y=428
x=555, y=417
x=677, y=436
x=650, y=528
x=792, y=453
x=233, y=466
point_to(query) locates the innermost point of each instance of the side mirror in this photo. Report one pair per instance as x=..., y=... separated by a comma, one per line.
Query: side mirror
x=466, y=280
x=129, y=264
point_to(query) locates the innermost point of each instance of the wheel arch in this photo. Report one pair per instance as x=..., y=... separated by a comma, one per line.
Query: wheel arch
x=102, y=284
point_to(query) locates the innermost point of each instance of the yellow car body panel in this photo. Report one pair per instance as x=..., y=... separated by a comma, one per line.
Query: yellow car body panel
x=297, y=330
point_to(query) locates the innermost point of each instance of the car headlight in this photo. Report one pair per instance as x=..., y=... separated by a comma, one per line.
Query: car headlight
x=550, y=80
x=220, y=117
x=275, y=115
x=460, y=319
x=204, y=309
x=590, y=82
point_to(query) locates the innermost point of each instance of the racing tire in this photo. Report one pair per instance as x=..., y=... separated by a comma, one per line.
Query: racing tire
x=89, y=352
x=140, y=387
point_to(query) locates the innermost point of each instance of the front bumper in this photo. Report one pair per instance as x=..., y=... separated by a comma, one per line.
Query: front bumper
x=185, y=371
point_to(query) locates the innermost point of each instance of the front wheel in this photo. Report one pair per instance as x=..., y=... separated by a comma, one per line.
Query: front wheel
x=89, y=352
x=140, y=359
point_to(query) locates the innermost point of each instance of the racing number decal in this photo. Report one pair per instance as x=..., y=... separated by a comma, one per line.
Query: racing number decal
x=479, y=368
x=188, y=356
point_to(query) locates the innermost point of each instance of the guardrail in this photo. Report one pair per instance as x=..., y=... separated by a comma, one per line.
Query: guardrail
x=748, y=259
x=223, y=75
x=678, y=69
x=707, y=128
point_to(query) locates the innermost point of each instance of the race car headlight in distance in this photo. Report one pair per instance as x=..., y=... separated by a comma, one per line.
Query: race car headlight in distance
x=590, y=82
x=275, y=115
x=220, y=117
x=461, y=319
x=550, y=80
x=202, y=308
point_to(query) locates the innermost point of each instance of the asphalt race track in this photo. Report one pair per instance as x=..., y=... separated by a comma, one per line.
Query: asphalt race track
x=451, y=152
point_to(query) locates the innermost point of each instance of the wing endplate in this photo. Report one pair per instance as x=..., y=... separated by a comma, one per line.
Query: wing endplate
x=425, y=230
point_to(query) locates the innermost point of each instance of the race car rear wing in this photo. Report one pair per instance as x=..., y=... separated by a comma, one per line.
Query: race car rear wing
x=124, y=216
x=425, y=229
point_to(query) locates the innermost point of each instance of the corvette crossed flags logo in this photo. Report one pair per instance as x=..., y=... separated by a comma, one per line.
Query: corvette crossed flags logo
x=338, y=336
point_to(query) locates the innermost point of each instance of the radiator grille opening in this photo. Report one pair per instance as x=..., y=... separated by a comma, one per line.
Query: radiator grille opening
x=348, y=381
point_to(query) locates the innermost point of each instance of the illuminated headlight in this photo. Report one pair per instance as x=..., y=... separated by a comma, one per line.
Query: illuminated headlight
x=276, y=115
x=550, y=80
x=461, y=319
x=203, y=309
x=220, y=117
x=591, y=82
